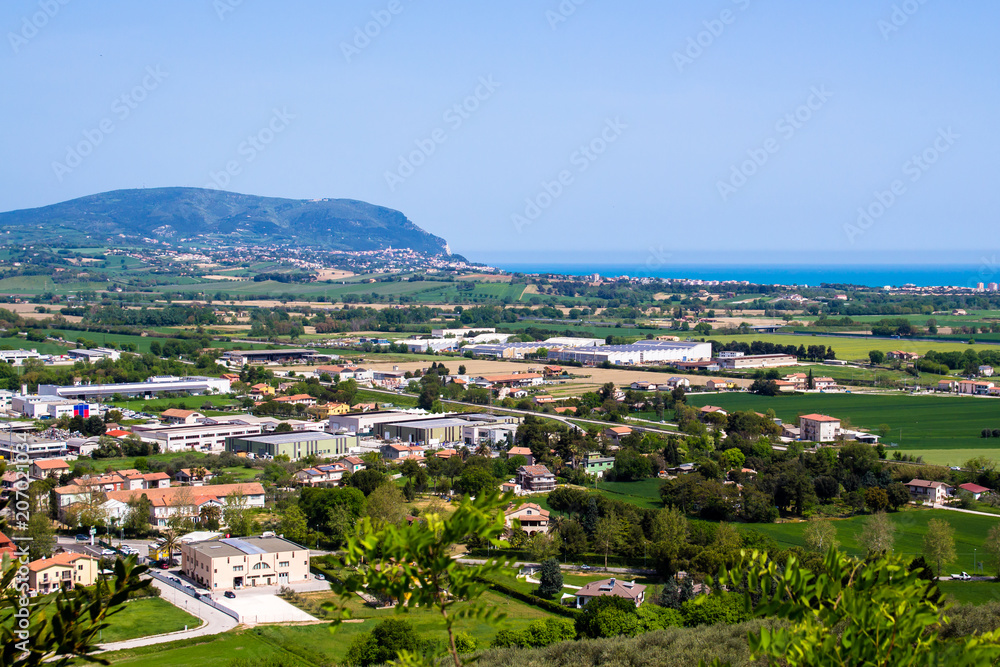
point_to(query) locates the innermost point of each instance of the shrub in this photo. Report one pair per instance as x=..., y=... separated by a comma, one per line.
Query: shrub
x=383, y=643
x=720, y=608
x=465, y=643
x=608, y=616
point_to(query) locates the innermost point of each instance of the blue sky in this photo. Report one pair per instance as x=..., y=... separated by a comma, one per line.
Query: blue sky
x=584, y=129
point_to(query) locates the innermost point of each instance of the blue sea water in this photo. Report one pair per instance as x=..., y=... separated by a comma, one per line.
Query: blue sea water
x=895, y=275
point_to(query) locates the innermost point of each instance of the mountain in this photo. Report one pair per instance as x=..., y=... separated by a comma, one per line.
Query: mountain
x=214, y=216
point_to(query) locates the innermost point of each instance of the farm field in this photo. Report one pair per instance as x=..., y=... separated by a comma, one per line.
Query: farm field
x=911, y=525
x=944, y=427
x=644, y=493
x=850, y=348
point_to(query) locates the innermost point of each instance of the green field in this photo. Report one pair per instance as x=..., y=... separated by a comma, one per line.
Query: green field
x=971, y=592
x=911, y=525
x=850, y=348
x=18, y=343
x=944, y=427
x=316, y=644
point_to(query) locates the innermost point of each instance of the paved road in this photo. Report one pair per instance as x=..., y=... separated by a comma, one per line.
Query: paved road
x=213, y=620
x=569, y=566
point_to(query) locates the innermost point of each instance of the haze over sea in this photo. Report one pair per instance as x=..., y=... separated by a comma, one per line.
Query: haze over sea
x=813, y=275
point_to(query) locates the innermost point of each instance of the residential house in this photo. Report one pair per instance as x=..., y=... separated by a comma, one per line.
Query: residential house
x=709, y=409
x=819, y=428
x=188, y=500
x=7, y=546
x=194, y=476
x=353, y=464
x=521, y=451
x=45, y=468
x=329, y=409
x=297, y=399
x=986, y=371
x=262, y=390
x=511, y=487
x=975, y=489
x=399, y=452
x=595, y=464
x=901, y=355
x=48, y=575
x=824, y=383
x=929, y=492
x=627, y=590
x=324, y=474
x=245, y=562
x=947, y=385
x=536, y=479
x=533, y=518
x=975, y=387
x=616, y=433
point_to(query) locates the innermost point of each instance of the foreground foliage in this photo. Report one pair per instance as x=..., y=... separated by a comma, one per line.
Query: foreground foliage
x=853, y=612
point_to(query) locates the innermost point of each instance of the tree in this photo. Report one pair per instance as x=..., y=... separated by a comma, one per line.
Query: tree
x=608, y=616
x=367, y=480
x=574, y=538
x=898, y=495
x=550, y=579
x=939, y=543
x=210, y=517
x=293, y=524
x=607, y=535
x=992, y=547
x=630, y=466
x=136, y=520
x=383, y=643
x=876, y=357
x=543, y=546
x=878, y=534
x=820, y=536
x=43, y=538
x=236, y=515
x=283, y=427
x=412, y=564
x=851, y=612
x=385, y=506
x=475, y=481
x=876, y=499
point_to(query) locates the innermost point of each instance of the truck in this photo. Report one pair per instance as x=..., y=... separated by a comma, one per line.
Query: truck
x=965, y=576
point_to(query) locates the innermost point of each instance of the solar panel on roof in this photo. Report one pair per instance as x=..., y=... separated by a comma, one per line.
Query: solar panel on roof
x=243, y=546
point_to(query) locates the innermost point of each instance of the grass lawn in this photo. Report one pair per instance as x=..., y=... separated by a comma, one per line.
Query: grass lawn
x=149, y=616
x=971, y=592
x=327, y=647
x=911, y=525
x=18, y=343
x=156, y=405
x=943, y=428
x=644, y=493
x=213, y=651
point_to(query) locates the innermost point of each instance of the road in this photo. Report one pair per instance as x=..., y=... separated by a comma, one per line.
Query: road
x=213, y=620
x=568, y=566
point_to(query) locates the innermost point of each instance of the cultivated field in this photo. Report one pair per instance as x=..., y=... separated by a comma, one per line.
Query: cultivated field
x=942, y=428
x=852, y=348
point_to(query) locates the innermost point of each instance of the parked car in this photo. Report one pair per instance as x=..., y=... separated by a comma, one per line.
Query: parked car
x=229, y=594
x=319, y=576
x=82, y=538
x=108, y=552
x=965, y=576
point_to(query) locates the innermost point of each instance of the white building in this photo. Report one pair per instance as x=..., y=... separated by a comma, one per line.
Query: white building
x=819, y=428
x=195, y=385
x=18, y=357
x=95, y=355
x=642, y=352
x=50, y=407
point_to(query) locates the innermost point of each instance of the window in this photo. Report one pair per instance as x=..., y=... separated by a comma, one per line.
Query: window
x=283, y=563
x=261, y=566
x=237, y=568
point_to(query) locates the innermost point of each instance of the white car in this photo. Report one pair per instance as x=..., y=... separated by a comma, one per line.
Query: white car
x=965, y=576
x=107, y=552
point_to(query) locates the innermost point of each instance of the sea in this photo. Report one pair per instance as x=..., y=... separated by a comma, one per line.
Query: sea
x=802, y=275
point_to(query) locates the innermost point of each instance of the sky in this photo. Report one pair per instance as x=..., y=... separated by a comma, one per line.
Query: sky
x=532, y=130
